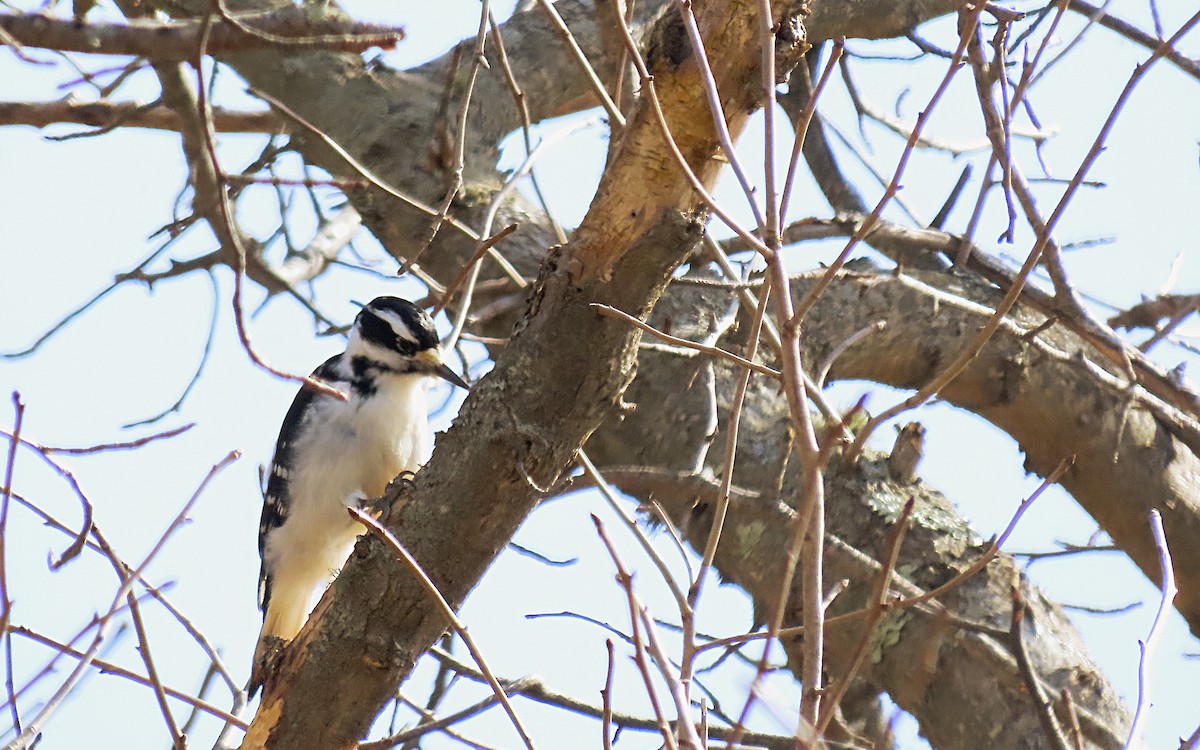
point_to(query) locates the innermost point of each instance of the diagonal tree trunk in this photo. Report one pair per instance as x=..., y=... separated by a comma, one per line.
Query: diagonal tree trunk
x=560, y=376
x=371, y=627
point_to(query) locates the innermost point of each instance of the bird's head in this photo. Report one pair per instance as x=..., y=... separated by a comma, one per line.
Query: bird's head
x=397, y=333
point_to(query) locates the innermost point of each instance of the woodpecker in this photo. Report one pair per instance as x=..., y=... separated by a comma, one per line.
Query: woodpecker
x=333, y=454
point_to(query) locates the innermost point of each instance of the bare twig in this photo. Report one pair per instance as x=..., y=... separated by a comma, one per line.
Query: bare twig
x=409, y=735
x=1148, y=646
x=840, y=349
x=1178, y=403
x=66, y=319
x=915, y=599
x=204, y=354
x=110, y=668
x=1076, y=732
x=837, y=692
x=123, y=569
x=34, y=727
x=560, y=27
x=997, y=544
x=404, y=555
x=1010, y=298
x=103, y=447
x=225, y=226
x=471, y=269
x=526, y=125
x=358, y=167
x=483, y=247
x=1045, y=710
x=1031, y=66
x=606, y=491
x=107, y=115
x=801, y=126
x=177, y=739
x=625, y=580
x=52, y=664
x=688, y=737
x=713, y=97
x=966, y=34
x=810, y=508
x=715, y=351
x=770, y=332
x=996, y=120
x=939, y=219
x=429, y=718
x=721, y=509
x=80, y=538
x=1134, y=34
x=6, y=612
x=455, y=180
x=542, y=694
x=194, y=715
x=251, y=179
x=606, y=698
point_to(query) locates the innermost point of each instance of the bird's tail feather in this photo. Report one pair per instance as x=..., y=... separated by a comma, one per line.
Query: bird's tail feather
x=283, y=619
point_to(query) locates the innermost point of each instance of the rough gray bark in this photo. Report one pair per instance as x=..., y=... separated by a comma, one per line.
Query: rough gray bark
x=1137, y=442
x=961, y=685
x=376, y=620
x=386, y=119
x=523, y=422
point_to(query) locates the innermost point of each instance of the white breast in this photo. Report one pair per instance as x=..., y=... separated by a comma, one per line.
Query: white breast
x=349, y=452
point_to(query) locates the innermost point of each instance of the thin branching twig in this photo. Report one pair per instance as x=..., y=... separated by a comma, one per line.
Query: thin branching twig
x=1147, y=647
x=405, y=556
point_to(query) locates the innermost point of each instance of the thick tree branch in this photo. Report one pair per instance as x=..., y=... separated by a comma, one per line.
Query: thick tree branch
x=523, y=422
x=386, y=118
x=385, y=127
x=872, y=19
x=1046, y=388
x=177, y=41
x=959, y=685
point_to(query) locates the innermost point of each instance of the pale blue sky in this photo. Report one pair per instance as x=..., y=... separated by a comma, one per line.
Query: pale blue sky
x=72, y=214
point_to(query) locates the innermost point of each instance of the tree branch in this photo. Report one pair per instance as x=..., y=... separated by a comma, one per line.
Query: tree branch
x=179, y=40
x=523, y=422
x=922, y=658
x=106, y=114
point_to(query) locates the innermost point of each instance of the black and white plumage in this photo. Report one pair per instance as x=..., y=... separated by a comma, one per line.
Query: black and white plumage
x=332, y=454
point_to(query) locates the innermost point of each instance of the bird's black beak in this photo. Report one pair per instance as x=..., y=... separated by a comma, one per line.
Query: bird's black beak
x=443, y=371
x=432, y=358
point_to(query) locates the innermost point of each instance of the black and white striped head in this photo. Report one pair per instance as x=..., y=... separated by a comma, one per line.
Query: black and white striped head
x=399, y=336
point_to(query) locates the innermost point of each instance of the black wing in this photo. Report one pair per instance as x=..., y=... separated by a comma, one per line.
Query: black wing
x=277, y=497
